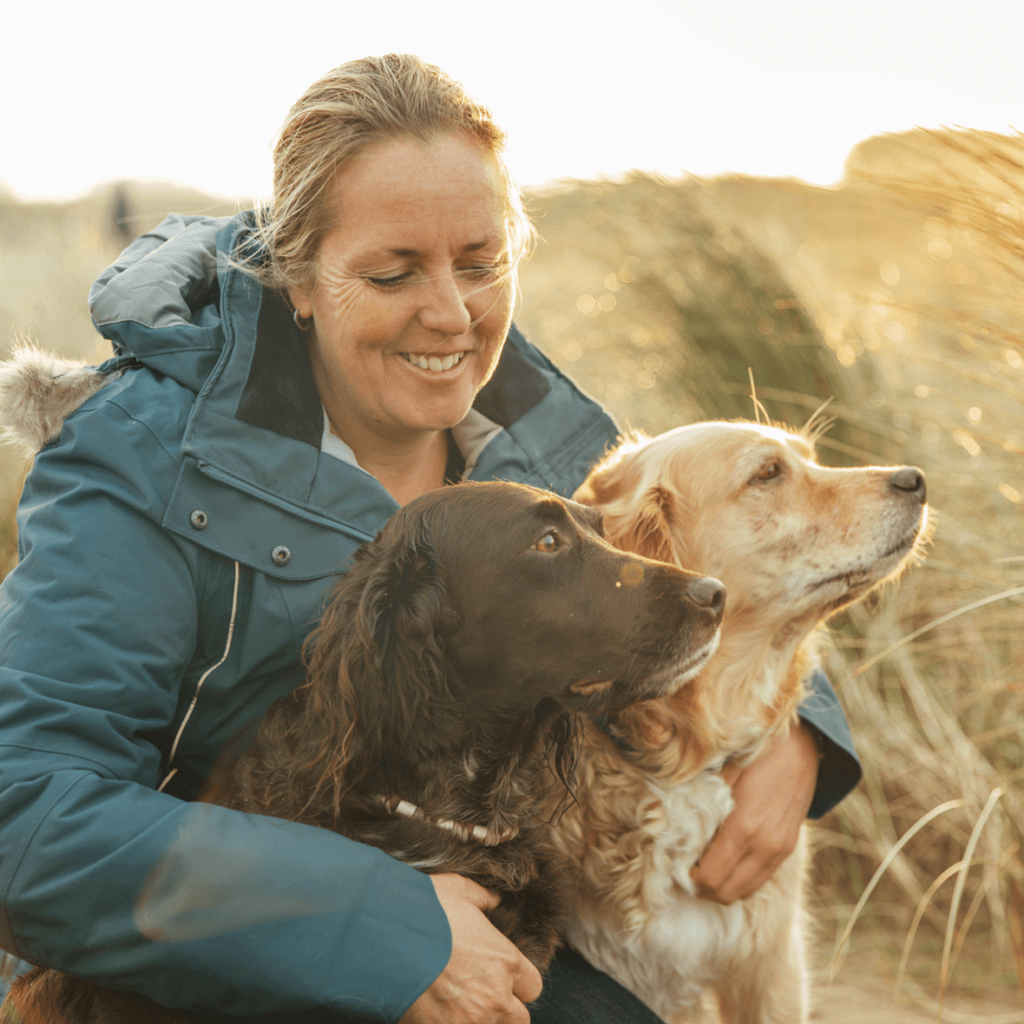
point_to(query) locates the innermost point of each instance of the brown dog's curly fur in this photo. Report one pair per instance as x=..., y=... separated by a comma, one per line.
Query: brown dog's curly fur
x=446, y=672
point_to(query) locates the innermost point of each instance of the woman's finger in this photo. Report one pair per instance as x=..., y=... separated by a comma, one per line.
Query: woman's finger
x=527, y=984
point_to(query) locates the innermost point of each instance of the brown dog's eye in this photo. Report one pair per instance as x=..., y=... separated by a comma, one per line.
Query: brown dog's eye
x=548, y=543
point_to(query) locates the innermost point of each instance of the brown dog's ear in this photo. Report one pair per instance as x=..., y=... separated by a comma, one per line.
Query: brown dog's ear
x=405, y=615
x=376, y=662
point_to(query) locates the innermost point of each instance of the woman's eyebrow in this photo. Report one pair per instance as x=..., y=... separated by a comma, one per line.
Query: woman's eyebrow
x=470, y=247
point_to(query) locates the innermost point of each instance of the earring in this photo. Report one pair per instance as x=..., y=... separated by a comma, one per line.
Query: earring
x=301, y=322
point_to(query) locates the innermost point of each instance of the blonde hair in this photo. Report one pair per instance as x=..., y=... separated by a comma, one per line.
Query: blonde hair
x=355, y=105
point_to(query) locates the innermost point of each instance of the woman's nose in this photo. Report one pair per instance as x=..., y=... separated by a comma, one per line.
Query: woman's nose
x=445, y=307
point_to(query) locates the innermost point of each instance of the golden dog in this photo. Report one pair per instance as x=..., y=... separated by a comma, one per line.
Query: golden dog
x=793, y=542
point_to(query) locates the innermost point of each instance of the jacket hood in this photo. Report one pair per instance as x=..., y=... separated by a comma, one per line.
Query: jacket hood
x=160, y=302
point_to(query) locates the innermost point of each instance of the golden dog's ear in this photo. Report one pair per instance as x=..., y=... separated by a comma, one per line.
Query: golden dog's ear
x=608, y=479
x=603, y=483
x=646, y=526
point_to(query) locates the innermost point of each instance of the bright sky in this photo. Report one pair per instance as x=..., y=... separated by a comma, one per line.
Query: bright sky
x=194, y=92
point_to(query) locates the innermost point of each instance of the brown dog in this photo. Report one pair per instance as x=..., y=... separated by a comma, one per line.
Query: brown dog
x=443, y=679
x=794, y=542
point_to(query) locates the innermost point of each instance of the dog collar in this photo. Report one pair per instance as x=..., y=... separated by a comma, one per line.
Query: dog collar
x=466, y=833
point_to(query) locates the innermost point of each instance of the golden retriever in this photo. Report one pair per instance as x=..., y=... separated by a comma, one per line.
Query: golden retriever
x=793, y=541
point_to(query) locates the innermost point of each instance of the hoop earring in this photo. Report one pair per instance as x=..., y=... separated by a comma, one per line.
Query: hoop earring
x=299, y=321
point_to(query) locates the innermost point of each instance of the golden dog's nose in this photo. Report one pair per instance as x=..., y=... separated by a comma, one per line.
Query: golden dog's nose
x=911, y=480
x=708, y=593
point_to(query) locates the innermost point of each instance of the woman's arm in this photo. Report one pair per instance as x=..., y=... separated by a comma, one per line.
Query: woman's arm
x=804, y=774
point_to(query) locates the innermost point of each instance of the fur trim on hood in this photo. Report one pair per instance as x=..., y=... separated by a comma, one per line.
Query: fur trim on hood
x=38, y=392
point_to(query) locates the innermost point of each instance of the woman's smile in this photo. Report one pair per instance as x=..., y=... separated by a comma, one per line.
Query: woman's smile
x=434, y=363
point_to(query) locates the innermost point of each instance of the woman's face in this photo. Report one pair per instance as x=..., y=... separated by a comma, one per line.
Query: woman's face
x=412, y=299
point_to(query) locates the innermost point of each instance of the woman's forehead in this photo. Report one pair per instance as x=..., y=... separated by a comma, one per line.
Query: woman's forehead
x=400, y=185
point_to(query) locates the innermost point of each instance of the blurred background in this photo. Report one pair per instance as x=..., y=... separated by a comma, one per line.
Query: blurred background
x=827, y=195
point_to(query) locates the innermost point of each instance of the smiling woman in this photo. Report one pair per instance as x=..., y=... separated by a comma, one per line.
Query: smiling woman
x=411, y=303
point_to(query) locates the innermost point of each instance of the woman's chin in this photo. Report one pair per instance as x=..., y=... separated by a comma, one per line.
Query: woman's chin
x=436, y=399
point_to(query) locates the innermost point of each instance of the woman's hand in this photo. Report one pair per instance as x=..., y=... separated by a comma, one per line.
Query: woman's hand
x=487, y=980
x=773, y=795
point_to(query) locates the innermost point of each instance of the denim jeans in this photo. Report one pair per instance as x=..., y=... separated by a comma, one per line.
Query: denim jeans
x=576, y=993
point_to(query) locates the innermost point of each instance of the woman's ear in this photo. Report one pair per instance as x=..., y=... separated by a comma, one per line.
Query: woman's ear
x=301, y=298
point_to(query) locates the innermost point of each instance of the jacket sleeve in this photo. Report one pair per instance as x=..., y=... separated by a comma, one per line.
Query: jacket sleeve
x=106, y=878
x=839, y=770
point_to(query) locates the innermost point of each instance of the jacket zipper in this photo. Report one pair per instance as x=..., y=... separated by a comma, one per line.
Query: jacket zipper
x=199, y=685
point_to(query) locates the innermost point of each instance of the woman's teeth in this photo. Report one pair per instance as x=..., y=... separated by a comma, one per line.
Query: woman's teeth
x=433, y=362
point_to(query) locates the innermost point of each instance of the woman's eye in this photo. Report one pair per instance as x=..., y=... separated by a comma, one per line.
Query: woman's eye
x=482, y=273
x=770, y=471
x=548, y=543
x=389, y=282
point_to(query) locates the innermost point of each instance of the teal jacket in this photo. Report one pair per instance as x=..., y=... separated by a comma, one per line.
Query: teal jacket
x=176, y=541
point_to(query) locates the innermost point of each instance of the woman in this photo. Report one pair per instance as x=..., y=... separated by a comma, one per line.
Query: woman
x=281, y=385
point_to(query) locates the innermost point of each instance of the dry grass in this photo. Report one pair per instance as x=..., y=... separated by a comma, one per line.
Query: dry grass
x=935, y=685
x=899, y=296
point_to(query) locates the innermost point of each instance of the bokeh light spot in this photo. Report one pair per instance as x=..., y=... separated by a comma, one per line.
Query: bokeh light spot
x=967, y=442
x=632, y=574
x=889, y=272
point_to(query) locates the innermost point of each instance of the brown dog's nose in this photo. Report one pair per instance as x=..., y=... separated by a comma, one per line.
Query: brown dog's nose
x=708, y=593
x=911, y=480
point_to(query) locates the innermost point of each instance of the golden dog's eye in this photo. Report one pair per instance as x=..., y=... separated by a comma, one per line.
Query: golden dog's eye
x=548, y=543
x=770, y=472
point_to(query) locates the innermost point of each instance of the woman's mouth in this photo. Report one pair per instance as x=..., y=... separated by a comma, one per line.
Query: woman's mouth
x=435, y=363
